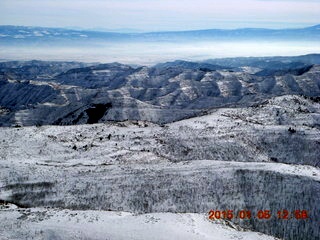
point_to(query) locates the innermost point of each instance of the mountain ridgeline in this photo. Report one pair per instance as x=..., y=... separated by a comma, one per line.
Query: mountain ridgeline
x=68, y=93
x=38, y=35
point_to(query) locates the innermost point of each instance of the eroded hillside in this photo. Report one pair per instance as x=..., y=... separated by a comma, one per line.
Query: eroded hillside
x=51, y=93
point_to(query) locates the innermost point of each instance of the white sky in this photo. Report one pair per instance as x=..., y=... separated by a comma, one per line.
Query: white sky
x=154, y=15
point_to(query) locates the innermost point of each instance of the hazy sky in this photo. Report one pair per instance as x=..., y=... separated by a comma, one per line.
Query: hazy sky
x=153, y=15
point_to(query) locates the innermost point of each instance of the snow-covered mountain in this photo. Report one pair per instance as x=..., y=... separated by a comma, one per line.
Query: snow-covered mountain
x=262, y=157
x=144, y=149
x=64, y=93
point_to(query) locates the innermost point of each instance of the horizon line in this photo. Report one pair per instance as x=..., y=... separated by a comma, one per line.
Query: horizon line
x=137, y=31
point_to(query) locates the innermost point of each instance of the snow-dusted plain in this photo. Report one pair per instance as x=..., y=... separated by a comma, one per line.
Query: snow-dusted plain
x=115, y=177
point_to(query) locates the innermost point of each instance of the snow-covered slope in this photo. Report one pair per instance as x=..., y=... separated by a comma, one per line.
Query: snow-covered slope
x=39, y=223
x=262, y=157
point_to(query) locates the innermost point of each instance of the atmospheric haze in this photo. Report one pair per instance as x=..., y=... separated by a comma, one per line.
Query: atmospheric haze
x=152, y=53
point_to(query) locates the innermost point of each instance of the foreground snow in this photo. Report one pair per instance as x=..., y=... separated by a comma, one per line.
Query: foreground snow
x=40, y=223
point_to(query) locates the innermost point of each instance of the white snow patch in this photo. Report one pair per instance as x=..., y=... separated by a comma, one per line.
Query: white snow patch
x=39, y=223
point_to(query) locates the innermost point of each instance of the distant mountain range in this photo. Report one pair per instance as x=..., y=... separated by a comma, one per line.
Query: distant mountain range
x=22, y=34
x=66, y=93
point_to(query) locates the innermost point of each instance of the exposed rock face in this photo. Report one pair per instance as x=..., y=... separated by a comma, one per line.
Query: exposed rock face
x=45, y=93
x=257, y=158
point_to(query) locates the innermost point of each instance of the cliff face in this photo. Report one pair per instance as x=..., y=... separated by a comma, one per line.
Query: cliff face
x=256, y=158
